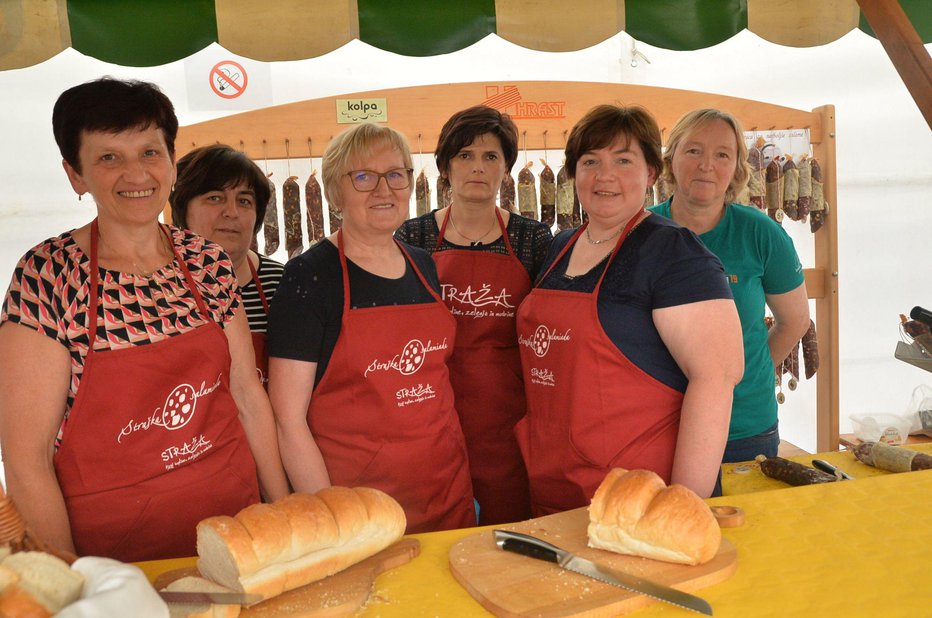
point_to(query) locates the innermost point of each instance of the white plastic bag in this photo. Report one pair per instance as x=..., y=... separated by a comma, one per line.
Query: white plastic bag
x=919, y=411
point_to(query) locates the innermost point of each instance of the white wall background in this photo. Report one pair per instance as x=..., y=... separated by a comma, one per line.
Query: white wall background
x=883, y=156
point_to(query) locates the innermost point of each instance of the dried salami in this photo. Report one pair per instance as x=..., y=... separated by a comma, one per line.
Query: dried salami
x=270, y=222
x=811, y=351
x=422, y=194
x=892, y=458
x=566, y=193
x=790, y=189
x=314, y=202
x=805, y=188
x=291, y=205
x=774, y=197
x=757, y=187
x=444, y=193
x=818, y=207
x=506, y=194
x=527, y=192
x=791, y=472
x=548, y=195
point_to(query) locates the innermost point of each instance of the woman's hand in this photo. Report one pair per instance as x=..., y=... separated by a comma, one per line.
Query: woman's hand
x=705, y=341
x=35, y=372
x=790, y=322
x=290, y=385
x=255, y=412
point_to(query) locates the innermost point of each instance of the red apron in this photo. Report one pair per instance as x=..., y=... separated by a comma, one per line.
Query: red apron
x=482, y=290
x=383, y=413
x=590, y=409
x=259, y=339
x=153, y=443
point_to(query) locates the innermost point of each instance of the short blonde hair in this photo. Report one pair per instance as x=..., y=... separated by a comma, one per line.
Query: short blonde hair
x=697, y=119
x=357, y=144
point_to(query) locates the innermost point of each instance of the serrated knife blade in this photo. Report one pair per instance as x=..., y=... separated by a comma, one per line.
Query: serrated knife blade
x=535, y=548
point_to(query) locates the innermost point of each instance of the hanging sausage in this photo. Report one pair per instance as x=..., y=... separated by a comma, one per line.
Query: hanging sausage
x=805, y=188
x=811, y=351
x=270, y=222
x=774, y=196
x=548, y=195
x=757, y=187
x=527, y=192
x=444, y=193
x=818, y=209
x=315, y=208
x=506, y=194
x=790, y=189
x=566, y=193
x=291, y=205
x=421, y=194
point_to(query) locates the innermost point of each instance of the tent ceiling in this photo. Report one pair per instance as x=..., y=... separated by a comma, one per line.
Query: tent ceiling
x=154, y=32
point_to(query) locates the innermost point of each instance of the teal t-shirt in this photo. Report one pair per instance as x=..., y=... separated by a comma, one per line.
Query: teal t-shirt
x=759, y=259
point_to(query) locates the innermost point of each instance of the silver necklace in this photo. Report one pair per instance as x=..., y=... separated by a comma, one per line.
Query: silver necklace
x=473, y=242
x=599, y=242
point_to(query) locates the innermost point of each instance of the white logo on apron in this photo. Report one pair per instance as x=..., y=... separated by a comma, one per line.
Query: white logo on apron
x=540, y=341
x=175, y=413
x=410, y=360
x=414, y=394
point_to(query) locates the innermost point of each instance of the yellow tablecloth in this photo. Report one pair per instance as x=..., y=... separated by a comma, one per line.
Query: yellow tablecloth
x=852, y=549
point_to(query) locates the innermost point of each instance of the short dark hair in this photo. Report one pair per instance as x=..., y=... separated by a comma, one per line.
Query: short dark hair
x=214, y=168
x=110, y=105
x=603, y=124
x=465, y=126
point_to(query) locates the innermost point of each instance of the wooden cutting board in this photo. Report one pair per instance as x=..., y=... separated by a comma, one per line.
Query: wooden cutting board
x=511, y=585
x=341, y=594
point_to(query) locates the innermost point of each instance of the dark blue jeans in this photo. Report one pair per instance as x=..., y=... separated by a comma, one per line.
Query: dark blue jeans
x=746, y=449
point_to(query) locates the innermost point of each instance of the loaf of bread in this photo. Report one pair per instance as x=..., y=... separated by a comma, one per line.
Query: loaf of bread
x=36, y=585
x=267, y=549
x=634, y=512
x=199, y=610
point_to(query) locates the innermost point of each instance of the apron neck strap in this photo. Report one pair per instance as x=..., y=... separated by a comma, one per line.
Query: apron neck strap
x=255, y=278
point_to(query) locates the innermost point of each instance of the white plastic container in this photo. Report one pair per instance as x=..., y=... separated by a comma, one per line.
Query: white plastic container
x=887, y=428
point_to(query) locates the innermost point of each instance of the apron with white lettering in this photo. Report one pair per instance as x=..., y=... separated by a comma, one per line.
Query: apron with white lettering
x=153, y=443
x=383, y=413
x=483, y=291
x=590, y=409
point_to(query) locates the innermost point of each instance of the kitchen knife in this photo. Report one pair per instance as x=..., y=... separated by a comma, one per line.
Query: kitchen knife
x=208, y=598
x=825, y=466
x=542, y=550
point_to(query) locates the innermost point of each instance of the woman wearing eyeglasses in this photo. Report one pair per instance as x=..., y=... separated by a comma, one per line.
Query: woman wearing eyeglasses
x=359, y=341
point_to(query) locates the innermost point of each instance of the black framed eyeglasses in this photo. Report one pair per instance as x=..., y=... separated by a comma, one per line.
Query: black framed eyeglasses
x=368, y=180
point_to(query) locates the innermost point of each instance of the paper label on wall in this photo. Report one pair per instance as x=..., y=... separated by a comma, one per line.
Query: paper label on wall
x=219, y=80
x=354, y=111
x=777, y=143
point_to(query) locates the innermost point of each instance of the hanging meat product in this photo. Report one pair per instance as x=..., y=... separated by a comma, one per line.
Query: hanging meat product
x=527, y=192
x=506, y=194
x=421, y=194
x=566, y=194
x=818, y=209
x=790, y=189
x=548, y=195
x=757, y=187
x=314, y=202
x=805, y=188
x=444, y=193
x=291, y=204
x=774, y=197
x=270, y=222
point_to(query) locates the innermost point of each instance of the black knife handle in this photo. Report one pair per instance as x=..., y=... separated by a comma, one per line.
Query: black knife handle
x=527, y=546
x=825, y=466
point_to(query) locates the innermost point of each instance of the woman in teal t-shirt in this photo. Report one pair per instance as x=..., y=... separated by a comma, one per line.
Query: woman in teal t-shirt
x=706, y=163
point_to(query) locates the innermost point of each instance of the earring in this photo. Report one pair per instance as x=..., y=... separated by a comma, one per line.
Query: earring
x=79, y=196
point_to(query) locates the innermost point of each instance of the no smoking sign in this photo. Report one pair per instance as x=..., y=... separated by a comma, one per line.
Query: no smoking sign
x=228, y=79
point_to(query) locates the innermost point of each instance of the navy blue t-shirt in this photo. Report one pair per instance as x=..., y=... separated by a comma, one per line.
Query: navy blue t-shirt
x=661, y=264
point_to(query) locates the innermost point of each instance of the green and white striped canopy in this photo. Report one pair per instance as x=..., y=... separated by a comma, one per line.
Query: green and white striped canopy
x=155, y=32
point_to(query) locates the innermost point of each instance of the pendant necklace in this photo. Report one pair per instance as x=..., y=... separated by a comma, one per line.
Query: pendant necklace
x=599, y=242
x=473, y=242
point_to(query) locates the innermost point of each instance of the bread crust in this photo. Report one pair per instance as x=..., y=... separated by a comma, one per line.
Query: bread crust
x=634, y=512
x=267, y=549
